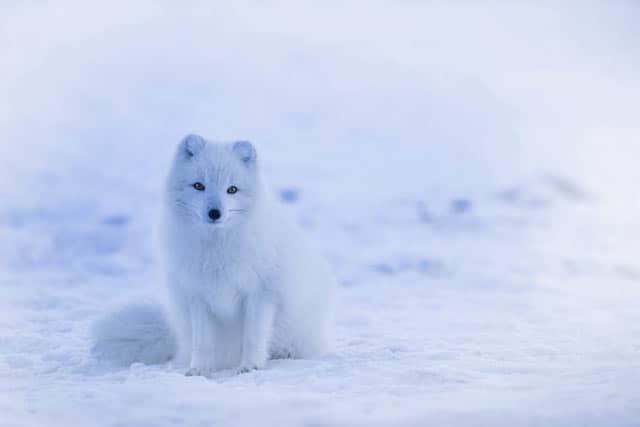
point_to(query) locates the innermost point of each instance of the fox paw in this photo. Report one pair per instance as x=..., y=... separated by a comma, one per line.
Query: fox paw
x=199, y=372
x=243, y=369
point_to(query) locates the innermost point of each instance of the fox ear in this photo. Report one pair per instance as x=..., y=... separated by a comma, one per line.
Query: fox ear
x=191, y=145
x=246, y=152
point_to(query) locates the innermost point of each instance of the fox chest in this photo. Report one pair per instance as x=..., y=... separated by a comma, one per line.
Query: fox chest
x=226, y=287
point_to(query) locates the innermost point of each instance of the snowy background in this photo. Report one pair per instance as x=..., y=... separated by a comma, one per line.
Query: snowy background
x=469, y=169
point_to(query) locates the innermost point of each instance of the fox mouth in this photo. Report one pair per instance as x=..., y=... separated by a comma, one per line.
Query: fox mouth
x=224, y=220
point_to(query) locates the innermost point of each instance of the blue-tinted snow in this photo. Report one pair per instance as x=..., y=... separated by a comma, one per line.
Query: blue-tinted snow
x=469, y=170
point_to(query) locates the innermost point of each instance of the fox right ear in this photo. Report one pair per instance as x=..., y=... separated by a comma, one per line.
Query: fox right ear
x=246, y=152
x=191, y=145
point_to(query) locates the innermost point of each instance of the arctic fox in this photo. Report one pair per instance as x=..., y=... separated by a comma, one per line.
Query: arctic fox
x=243, y=287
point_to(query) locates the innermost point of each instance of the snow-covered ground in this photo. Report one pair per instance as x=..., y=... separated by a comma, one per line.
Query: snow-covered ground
x=468, y=169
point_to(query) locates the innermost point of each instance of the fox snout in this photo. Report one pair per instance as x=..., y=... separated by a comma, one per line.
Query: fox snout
x=214, y=214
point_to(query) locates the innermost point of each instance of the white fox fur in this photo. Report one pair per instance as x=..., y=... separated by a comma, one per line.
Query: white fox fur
x=134, y=333
x=243, y=287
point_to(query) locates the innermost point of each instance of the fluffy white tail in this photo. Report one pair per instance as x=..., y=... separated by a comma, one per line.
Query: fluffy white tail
x=134, y=333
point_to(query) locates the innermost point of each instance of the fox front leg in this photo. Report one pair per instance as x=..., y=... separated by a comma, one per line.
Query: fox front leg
x=202, y=340
x=259, y=313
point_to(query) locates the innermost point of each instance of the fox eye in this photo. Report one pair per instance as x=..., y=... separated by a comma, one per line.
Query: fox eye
x=232, y=190
x=198, y=186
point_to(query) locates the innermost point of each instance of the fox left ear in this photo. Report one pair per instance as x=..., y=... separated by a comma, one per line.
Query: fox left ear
x=191, y=145
x=246, y=152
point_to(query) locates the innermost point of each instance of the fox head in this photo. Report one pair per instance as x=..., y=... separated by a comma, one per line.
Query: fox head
x=213, y=184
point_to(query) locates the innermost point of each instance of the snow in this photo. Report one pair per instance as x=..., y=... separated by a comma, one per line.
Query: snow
x=469, y=171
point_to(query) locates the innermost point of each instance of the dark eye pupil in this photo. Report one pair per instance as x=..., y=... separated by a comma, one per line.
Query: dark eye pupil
x=233, y=189
x=198, y=186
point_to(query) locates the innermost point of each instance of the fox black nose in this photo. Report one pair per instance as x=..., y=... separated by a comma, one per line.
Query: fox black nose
x=214, y=214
